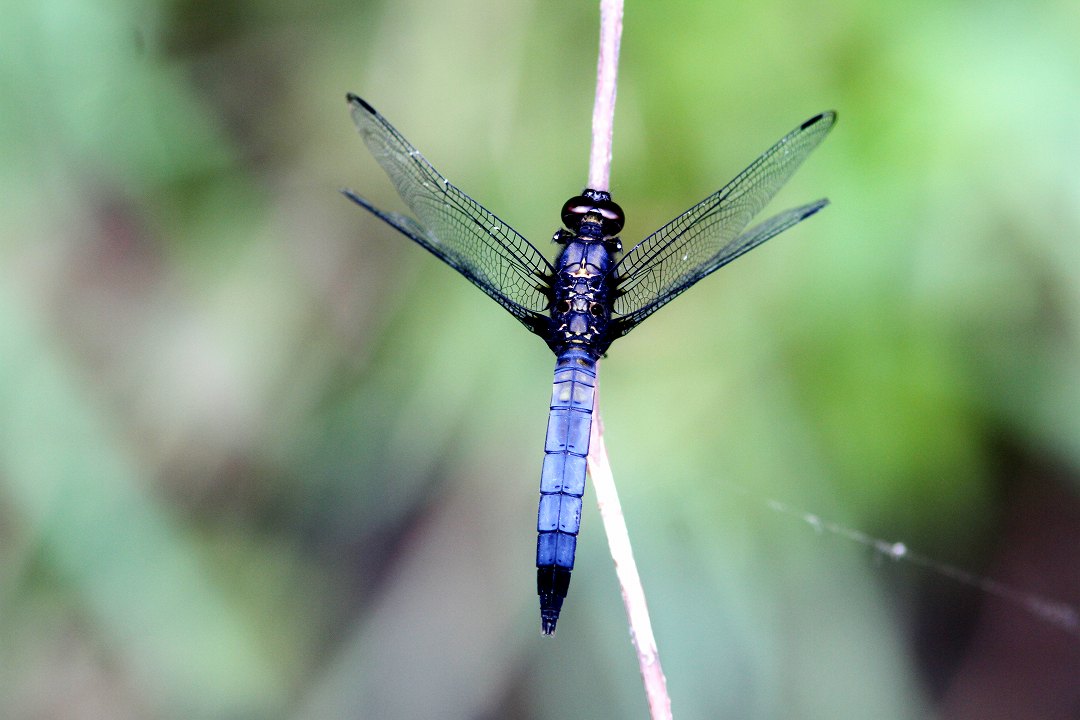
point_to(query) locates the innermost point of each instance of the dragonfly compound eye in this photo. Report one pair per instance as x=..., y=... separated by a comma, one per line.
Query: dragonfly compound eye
x=613, y=218
x=611, y=215
x=574, y=210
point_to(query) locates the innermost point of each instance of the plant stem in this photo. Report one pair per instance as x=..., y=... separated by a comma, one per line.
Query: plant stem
x=607, y=498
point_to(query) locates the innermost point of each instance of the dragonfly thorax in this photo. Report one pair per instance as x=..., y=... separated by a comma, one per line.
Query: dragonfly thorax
x=582, y=293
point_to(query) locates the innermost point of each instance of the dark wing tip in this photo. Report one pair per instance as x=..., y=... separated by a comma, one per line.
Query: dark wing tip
x=814, y=207
x=828, y=115
x=350, y=194
x=357, y=100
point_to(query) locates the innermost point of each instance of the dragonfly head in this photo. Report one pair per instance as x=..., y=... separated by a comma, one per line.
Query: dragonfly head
x=594, y=214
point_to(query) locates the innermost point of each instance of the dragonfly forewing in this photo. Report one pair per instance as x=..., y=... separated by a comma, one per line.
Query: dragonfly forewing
x=710, y=234
x=450, y=224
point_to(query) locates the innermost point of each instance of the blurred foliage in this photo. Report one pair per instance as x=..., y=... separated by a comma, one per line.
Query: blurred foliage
x=261, y=458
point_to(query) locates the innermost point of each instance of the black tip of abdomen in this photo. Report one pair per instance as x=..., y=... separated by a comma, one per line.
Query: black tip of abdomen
x=551, y=585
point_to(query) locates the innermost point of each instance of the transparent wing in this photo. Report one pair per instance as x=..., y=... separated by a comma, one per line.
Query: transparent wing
x=710, y=234
x=453, y=226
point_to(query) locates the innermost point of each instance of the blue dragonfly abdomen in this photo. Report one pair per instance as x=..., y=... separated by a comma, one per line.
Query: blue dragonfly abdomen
x=562, y=480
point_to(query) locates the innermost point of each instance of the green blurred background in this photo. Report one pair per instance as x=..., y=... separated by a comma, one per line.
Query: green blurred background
x=262, y=458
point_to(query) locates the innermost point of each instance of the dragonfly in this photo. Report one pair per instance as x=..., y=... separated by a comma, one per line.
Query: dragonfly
x=589, y=296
